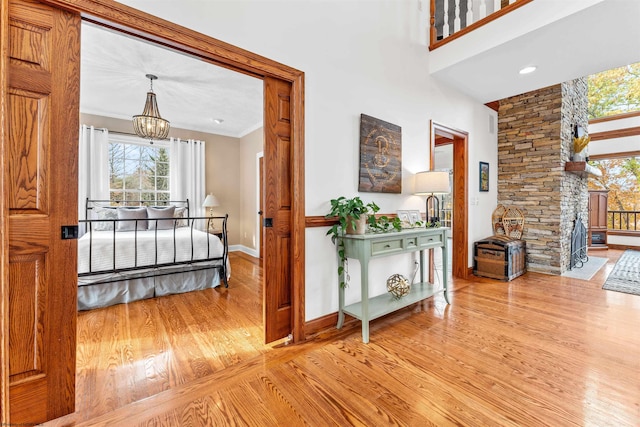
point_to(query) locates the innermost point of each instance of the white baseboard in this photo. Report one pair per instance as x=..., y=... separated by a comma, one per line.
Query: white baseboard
x=246, y=250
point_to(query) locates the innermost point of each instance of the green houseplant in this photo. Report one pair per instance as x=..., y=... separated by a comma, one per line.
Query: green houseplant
x=350, y=213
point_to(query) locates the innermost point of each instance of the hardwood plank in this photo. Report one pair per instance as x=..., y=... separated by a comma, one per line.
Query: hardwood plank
x=539, y=350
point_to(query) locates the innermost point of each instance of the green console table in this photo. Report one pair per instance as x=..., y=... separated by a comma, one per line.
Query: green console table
x=374, y=245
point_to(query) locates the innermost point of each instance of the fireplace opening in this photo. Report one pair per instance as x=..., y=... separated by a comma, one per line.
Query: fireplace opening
x=578, y=245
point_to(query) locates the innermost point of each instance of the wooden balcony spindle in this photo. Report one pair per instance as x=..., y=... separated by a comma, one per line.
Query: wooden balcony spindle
x=482, y=10
x=445, y=26
x=456, y=20
x=497, y=5
x=433, y=32
x=469, y=12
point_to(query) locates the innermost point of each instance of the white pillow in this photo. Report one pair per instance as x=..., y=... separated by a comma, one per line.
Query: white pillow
x=106, y=214
x=165, y=224
x=131, y=214
x=181, y=213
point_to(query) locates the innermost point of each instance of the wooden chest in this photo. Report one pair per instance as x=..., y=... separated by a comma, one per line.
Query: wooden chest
x=499, y=257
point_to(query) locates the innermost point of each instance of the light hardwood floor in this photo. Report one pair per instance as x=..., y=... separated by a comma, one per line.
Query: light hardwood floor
x=539, y=350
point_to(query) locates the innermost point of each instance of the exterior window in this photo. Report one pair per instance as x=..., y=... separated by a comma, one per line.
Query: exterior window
x=138, y=171
x=614, y=91
x=621, y=176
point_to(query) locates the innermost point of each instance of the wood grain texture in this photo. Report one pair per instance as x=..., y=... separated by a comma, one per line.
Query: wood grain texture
x=278, y=199
x=134, y=22
x=132, y=351
x=460, y=229
x=617, y=133
x=124, y=18
x=4, y=216
x=539, y=350
x=42, y=132
x=42, y=129
x=615, y=117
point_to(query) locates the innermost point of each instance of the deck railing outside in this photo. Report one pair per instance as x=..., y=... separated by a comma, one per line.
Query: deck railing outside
x=624, y=220
x=453, y=18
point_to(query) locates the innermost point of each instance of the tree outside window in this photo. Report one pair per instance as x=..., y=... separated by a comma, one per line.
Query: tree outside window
x=614, y=91
x=622, y=178
x=138, y=173
x=611, y=93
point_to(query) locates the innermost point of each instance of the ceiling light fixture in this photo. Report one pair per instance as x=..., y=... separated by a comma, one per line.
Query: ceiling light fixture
x=529, y=69
x=218, y=121
x=149, y=124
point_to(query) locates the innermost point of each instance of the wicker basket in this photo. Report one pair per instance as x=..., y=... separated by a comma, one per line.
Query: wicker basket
x=496, y=220
x=513, y=223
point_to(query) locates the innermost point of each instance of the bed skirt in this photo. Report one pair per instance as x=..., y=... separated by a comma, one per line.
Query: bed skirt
x=104, y=290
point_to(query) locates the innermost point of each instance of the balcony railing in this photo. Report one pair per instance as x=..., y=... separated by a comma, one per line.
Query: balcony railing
x=451, y=19
x=623, y=220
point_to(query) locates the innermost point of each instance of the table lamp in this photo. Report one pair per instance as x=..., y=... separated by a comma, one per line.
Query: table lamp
x=210, y=202
x=431, y=183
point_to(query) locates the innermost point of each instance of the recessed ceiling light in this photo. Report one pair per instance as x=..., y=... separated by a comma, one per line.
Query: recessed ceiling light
x=527, y=70
x=218, y=121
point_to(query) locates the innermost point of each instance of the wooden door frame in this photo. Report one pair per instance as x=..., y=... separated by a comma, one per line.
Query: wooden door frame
x=460, y=229
x=131, y=21
x=4, y=223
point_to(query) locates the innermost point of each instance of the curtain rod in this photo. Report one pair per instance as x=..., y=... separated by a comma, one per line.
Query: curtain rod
x=133, y=134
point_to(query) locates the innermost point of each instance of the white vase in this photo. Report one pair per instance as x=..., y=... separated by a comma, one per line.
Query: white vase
x=579, y=157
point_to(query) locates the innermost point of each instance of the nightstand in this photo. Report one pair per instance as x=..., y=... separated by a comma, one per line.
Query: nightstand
x=215, y=232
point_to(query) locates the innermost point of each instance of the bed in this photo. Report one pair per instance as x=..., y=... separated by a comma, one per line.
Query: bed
x=133, y=252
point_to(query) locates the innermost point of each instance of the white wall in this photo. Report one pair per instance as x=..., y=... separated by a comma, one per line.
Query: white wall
x=358, y=57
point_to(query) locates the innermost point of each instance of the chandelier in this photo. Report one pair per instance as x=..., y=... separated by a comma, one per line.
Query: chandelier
x=149, y=124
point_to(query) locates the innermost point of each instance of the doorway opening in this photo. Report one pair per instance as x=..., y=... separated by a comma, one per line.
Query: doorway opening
x=445, y=140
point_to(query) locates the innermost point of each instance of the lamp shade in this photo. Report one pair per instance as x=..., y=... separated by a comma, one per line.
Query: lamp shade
x=431, y=182
x=210, y=201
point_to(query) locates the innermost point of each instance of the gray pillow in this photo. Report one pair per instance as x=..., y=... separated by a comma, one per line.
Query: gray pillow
x=181, y=213
x=132, y=213
x=103, y=213
x=165, y=224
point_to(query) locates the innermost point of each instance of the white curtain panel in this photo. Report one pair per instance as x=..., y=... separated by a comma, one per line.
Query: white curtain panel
x=187, y=173
x=93, y=166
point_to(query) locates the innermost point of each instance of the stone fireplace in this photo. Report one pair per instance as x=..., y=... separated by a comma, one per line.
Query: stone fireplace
x=535, y=140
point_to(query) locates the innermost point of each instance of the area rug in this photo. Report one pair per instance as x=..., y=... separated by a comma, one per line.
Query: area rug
x=625, y=276
x=587, y=270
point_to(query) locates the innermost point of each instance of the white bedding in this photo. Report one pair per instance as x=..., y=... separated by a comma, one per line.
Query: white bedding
x=127, y=256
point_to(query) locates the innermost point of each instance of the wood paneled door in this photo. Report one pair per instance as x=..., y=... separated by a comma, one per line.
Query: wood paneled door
x=276, y=216
x=40, y=173
x=39, y=97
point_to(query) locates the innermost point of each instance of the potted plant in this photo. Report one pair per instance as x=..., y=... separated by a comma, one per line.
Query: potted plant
x=352, y=215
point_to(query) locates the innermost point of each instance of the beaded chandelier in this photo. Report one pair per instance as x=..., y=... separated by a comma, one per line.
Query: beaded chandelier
x=149, y=124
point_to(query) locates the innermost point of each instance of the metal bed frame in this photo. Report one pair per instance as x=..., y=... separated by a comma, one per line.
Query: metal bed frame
x=155, y=269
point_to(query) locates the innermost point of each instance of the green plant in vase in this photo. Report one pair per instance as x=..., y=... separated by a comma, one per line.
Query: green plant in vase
x=352, y=215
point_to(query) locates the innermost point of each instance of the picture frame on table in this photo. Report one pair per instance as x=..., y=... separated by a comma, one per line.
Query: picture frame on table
x=405, y=219
x=414, y=216
x=484, y=176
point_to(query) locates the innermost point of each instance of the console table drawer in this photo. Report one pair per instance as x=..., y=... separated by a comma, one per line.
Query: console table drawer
x=386, y=246
x=430, y=241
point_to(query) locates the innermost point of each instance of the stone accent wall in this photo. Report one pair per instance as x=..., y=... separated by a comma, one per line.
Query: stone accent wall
x=535, y=139
x=573, y=189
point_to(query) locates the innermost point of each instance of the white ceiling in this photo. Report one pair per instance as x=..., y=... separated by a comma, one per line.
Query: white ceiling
x=564, y=39
x=190, y=93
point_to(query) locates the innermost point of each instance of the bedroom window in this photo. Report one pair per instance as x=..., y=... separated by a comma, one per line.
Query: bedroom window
x=138, y=171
